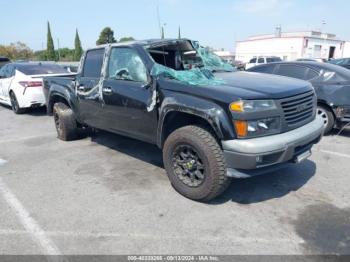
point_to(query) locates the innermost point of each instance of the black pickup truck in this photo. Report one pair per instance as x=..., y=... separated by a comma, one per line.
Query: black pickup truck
x=212, y=124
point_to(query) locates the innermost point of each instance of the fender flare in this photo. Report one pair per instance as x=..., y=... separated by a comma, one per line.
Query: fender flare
x=209, y=111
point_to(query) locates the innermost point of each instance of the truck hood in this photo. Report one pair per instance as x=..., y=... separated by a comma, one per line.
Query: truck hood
x=264, y=85
x=242, y=85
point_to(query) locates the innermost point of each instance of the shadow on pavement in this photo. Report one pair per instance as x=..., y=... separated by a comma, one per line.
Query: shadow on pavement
x=39, y=111
x=242, y=191
x=268, y=186
x=143, y=151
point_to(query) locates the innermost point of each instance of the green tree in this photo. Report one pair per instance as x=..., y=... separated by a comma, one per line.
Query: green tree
x=50, y=50
x=16, y=51
x=106, y=36
x=126, y=39
x=78, y=51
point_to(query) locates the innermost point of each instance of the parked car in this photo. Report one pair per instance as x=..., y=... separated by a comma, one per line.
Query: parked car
x=211, y=125
x=320, y=60
x=4, y=61
x=21, y=84
x=262, y=60
x=239, y=65
x=344, y=62
x=331, y=82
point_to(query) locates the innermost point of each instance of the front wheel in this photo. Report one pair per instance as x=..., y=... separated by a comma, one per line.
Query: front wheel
x=14, y=104
x=327, y=117
x=195, y=163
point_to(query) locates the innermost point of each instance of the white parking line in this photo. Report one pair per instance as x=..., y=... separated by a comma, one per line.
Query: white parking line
x=97, y=235
x=30, y=225
x=26, y=138
x=335, y=153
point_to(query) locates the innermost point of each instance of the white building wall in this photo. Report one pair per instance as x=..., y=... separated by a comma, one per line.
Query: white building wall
x=312, y=49
x=285, y=48
x=346, y=52
x=289, y=48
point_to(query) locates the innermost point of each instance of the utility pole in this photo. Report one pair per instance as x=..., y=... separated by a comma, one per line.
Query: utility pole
x=159, y=23
x=58, y=49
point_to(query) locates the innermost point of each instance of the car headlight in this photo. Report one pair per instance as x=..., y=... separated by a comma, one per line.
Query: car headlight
x=256, y=128
x=252, y=105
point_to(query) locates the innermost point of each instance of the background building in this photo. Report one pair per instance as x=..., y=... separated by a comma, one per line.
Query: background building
x=228, y=56
x=292, y=45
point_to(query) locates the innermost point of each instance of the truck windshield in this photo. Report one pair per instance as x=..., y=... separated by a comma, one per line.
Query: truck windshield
x=188, y=62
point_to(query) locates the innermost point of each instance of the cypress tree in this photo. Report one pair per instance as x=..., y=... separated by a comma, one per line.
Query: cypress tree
x=78, y=50
x=50, y=51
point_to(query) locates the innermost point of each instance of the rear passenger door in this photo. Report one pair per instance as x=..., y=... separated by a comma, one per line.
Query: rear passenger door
x=88, y=89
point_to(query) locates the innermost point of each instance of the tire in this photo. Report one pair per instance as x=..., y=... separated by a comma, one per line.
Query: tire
x=65, y=122
x=14, y=104
x=200, y=144
x=328, y=118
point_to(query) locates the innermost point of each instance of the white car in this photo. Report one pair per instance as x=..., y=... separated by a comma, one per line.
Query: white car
x=262, y=60
x=21, y=84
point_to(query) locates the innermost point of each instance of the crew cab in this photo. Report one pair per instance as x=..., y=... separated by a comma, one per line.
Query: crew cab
x=211, y=123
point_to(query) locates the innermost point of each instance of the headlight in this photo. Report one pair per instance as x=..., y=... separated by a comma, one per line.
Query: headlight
x=252, y=105
x=255, y=128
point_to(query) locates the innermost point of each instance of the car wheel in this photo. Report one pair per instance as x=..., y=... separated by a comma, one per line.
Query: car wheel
x=14, y=104
x=195, y=163
x=327, y=117
x=65, y=122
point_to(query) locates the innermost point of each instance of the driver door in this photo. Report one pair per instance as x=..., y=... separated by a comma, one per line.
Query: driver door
x=126, y=95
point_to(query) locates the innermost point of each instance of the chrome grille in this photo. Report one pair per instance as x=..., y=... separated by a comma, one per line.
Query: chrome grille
x=299, y=108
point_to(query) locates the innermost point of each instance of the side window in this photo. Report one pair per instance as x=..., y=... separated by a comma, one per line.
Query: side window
x=2, y=71
x=261, y=60
x=264, y=69
x=93, y=63
x=252, y=61
x=311, y=74
x=126, y=64
x=292, y=71
x=6, y=71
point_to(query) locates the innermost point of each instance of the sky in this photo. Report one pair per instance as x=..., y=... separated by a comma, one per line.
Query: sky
x=218, y=24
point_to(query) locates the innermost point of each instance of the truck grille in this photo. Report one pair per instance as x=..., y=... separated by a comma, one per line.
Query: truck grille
x=299, y=108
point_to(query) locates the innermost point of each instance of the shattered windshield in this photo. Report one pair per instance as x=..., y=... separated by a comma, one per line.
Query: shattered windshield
x=187, y=62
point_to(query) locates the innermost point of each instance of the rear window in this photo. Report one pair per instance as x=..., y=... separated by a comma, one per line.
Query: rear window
x=273, y=59
x=40, y=69
x=4, y=59
x=268, y=69
x=93, y=63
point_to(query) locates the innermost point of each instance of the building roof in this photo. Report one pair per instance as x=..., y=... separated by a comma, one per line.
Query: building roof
x=296, y=34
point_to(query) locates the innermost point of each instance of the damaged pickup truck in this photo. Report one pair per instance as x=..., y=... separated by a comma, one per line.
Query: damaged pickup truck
x=211, y=123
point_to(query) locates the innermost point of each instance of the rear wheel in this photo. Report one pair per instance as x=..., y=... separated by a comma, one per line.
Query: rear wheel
x=195, y=163
x=327, y=117
x=14, y=104
x=65, y=122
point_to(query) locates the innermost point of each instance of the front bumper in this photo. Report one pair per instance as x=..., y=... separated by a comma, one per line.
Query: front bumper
x=250, y=157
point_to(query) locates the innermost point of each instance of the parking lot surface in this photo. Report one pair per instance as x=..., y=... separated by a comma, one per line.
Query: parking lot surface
x=108, y=194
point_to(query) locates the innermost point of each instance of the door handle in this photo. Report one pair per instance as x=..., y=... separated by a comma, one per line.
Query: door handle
x=107, y=90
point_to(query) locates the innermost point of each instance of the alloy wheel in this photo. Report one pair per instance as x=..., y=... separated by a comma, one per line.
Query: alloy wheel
x=188, y=166
x=323, y=114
